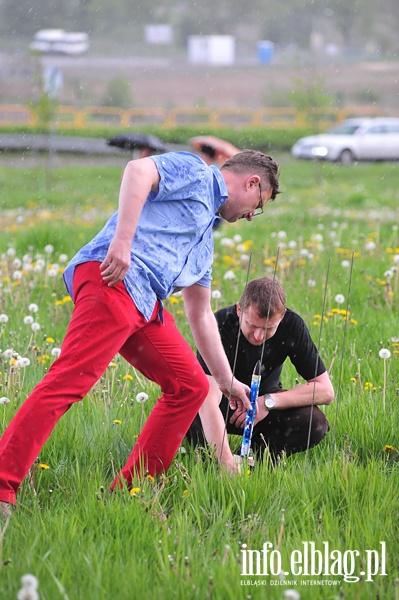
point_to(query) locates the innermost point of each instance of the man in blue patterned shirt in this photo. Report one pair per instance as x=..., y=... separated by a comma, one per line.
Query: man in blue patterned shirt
x=159, y=241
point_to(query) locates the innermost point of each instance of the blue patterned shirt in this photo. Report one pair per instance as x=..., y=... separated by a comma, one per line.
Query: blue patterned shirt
x=173, y=244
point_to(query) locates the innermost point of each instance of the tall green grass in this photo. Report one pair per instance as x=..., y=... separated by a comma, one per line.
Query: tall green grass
x=335, y=231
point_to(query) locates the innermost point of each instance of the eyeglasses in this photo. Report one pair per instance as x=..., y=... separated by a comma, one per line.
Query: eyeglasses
x=259, y=209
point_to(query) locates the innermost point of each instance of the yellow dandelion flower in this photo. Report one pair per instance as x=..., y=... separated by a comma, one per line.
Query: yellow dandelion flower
x=368, y=277
x=50, y=340
x=150, y=479
x=134, y=491
x=186, y=493
x=353, y=379
x=117, y=421
x=173, y=300
x=353, y=321
x=317, y=316
x=302, y=262
x=389, y=449
x=325, y=319
x=6, y=279
x=43, y=466
x=67, y=299
x=389, y=250
x=58, y=303
x=112, y=364
x=128, y=376
x=180, y=312
x=268, y=261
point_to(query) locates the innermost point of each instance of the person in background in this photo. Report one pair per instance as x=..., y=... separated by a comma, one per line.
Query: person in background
x=213, y=150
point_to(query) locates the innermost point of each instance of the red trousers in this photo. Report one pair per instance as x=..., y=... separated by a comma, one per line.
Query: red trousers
x=105, y=321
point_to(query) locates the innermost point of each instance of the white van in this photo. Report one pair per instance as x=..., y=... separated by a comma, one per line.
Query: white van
x=58, y=41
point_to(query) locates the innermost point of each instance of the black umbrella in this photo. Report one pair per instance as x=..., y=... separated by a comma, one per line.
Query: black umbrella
x=137, y=141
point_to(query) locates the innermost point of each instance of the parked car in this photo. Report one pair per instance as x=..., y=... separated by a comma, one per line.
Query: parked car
x=375, y=138
x=58, y=41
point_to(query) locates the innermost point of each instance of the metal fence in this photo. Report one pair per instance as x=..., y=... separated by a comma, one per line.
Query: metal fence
x=95, y=116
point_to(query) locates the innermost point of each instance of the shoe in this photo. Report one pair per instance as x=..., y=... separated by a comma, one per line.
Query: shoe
x=5, y=510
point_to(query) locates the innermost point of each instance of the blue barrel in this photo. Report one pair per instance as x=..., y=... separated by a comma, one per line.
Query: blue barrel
x=265, y=52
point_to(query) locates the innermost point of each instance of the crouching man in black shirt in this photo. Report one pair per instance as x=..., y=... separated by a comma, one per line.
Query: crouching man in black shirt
x=286, y=420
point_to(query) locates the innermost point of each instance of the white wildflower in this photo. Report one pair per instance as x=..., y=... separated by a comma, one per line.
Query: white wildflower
x=229, y=275
x=228, y=242
x=29, y=588
x=291, y=595
x=216, y=294
x=141, y=397
x=22, y=362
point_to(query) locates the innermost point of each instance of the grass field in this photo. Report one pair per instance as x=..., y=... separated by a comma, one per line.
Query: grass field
x=334, y=231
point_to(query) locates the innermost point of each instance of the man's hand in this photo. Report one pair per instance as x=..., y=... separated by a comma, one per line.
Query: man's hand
x=238, y=417
x=115, y=265
x=238, y=395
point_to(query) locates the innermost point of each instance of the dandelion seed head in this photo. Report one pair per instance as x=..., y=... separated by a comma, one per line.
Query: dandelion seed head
x=237, y=238
x=55, y=352
x=23, y=362
x=49, y=249
x=4, y=318
x=311, y=283
x=370, y=246
x=216, y=294
x=345, y=264
x=63, y=258
x=339, y=298
x=33, y=307
x=11, y=252
x=229, y=275
x=227, y=242
x=28, y=320
x=4, y=400
x=17, y=275
x=384, y=353
x=17, y=263
x=141, y=397
x=291, y=595
x=35, y=326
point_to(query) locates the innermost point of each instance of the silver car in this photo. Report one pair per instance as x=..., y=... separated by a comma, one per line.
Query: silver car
x=376, y=138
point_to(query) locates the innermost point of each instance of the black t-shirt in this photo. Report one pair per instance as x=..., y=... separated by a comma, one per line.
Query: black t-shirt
x=292, y=340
